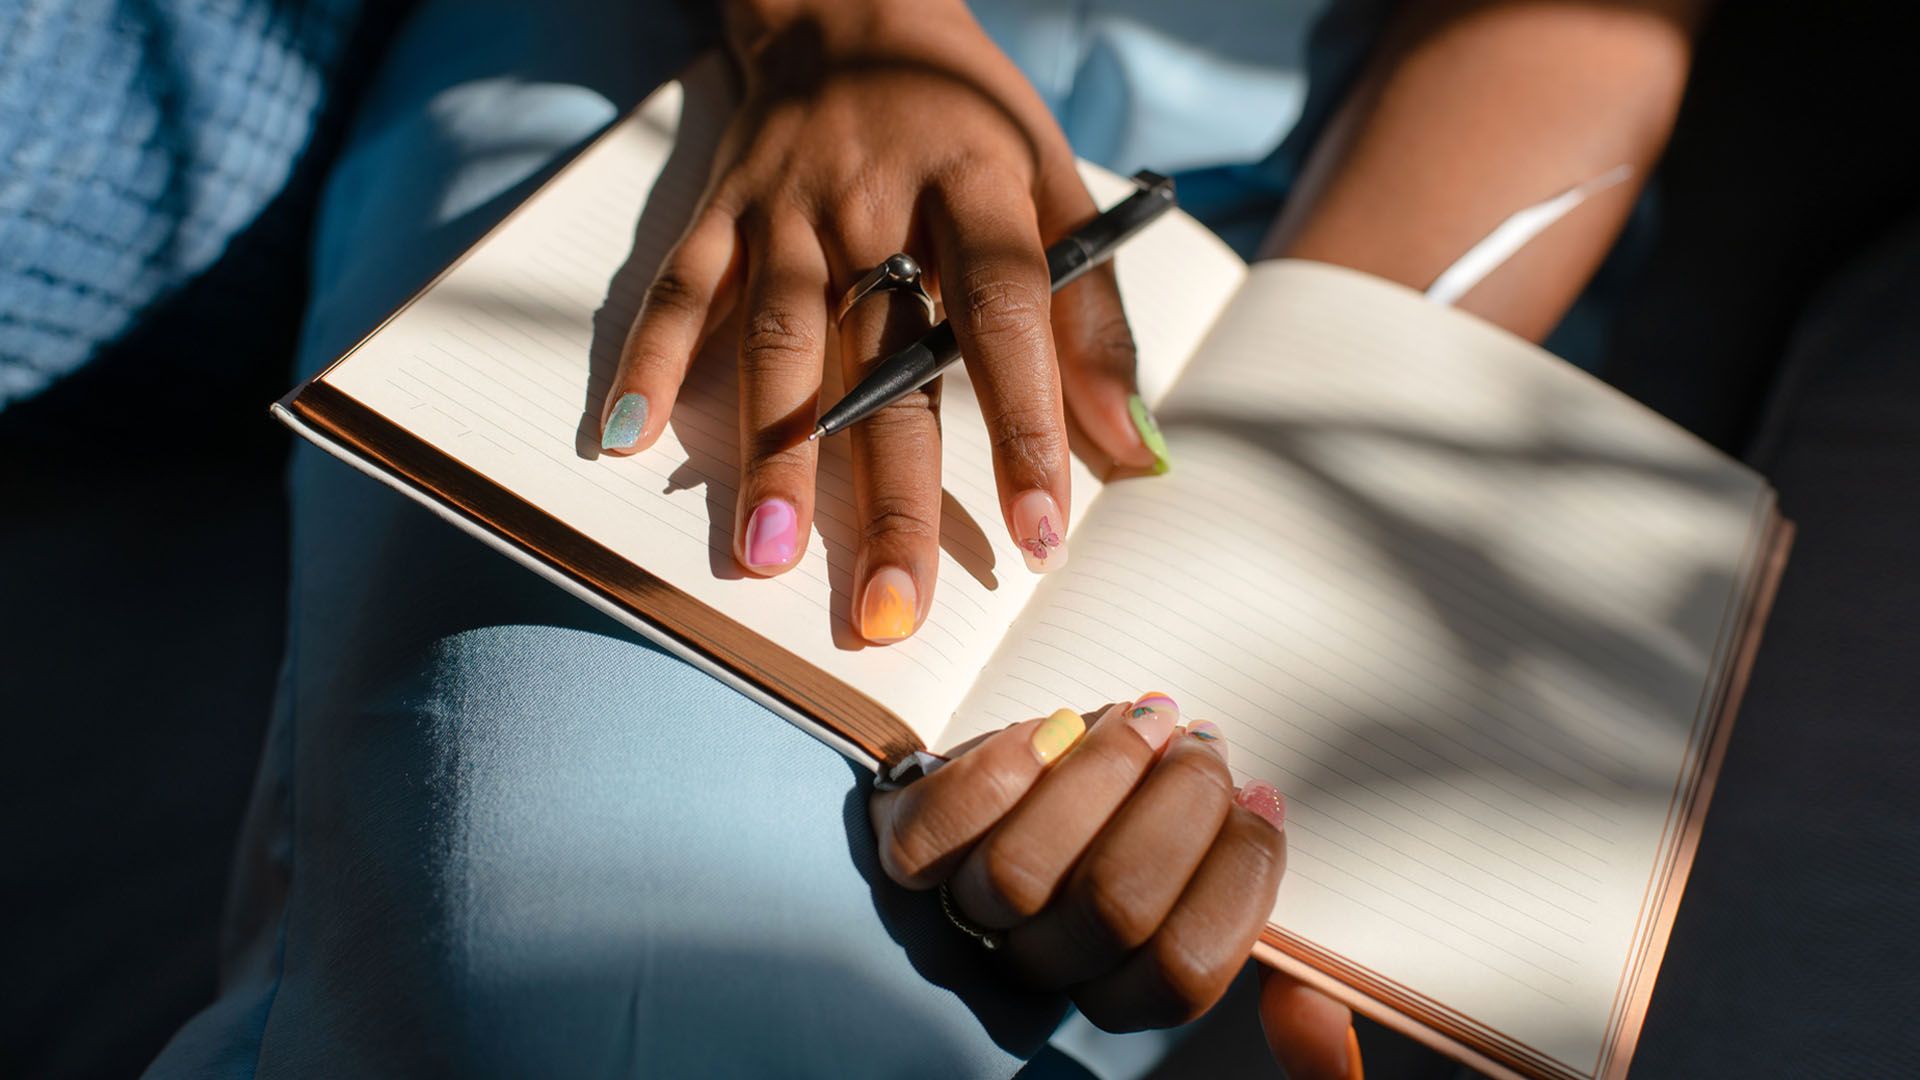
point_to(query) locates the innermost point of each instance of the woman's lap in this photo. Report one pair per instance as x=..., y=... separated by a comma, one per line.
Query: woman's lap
x=496, y=832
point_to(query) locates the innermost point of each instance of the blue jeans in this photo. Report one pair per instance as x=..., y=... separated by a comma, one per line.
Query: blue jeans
x=495, y=833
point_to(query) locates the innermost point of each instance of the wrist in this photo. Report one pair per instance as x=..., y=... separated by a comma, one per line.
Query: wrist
x=826, y=27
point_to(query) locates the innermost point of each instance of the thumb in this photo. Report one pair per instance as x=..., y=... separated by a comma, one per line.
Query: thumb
x=1311, y=1035
x=1094, y=342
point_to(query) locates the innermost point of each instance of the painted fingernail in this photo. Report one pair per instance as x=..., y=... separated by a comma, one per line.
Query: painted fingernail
x=1040, y=531
x=1150, y=436
x=1265, y=800
x=1056, y=733
x=771, y=538
x=1153, y=718
x=1208, y=732
x=625, y=422
x=1354, y=1071
x=888, y=608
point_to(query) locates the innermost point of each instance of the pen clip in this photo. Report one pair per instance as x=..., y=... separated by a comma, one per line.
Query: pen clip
x=1148, y=180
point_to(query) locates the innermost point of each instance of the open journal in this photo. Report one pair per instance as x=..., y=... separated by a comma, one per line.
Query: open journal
x=1481, y=618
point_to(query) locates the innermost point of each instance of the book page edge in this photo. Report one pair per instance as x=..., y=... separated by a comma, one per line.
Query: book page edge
x=1625, y=1039
x=1331, y=975
x=1271, y=951
x=832, y=737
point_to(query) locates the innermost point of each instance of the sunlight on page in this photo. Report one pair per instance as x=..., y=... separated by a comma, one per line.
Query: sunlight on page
x=504, y=364
x=1456, y=602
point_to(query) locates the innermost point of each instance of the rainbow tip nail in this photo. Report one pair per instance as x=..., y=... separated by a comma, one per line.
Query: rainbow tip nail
x=1152, y=701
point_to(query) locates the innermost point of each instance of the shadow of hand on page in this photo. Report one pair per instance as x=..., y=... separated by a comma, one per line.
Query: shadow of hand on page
x=1498, y=622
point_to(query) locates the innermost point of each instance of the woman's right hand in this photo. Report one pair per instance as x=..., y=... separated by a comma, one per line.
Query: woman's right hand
x=869, y=127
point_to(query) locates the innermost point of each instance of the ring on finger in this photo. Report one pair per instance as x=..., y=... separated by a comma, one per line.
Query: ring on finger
x=899, y=273
x=989, y=939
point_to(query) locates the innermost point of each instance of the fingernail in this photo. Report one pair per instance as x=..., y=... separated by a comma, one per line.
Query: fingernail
x=1150, y=436
x=1208, y=732
x=1354, y=1071
x=1056, y=733
x=1153, y=718
x=1040, y=531
x=625, y=422
x=770, y=533
x=1264, y=799
x=888, y=608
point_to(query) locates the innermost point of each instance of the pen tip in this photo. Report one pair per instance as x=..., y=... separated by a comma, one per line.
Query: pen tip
x=817, y=432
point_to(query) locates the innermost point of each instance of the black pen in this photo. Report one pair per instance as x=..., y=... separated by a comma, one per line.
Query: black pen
x=1082, y=250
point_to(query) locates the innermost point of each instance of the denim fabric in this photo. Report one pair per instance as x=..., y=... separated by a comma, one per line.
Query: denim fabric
x=495, y=833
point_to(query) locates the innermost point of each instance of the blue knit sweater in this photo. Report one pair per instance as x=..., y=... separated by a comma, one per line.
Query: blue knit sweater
x=137, y=139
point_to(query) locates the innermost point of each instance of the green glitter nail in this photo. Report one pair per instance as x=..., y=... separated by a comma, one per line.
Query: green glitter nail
x=625, y=422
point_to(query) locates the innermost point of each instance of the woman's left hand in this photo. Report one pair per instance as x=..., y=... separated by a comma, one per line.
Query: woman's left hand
x=1119, y=865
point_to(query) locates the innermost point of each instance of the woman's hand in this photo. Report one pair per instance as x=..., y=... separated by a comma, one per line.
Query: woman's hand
x=870, y=127
x=1121, y=867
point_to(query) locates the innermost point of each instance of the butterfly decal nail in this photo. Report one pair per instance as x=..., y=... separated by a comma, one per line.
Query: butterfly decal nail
x=1037, y=546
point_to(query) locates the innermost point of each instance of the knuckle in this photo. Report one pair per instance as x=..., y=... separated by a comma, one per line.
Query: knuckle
x=939, y=822
x=672, y=292
x=922, y=838
x=859, y=202
x=907, y=857
x=1031, y=434
x=1005, y=311
x=998, y=786
x=775, y=337
x=1116, y=768
x=1191, y=982
x=1203, y=772
x=897, y=519
x=1011, y=879
x=771, y=449
x=903, y=428
x=970, y=176
x=1263, y=850
x=1109, y=344
x=1116, y=906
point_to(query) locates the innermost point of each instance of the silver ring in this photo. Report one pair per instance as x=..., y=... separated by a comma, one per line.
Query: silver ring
x=900, y=273
x=989, y=939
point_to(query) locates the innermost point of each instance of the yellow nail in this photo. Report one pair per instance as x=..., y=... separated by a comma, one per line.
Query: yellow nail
x=1056, y=733
x=888, y=612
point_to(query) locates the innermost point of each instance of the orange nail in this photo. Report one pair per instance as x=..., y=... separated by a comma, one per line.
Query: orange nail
x=888, y=609
x=1354, y=1069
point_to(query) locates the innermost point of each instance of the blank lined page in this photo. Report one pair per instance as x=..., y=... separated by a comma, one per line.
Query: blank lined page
x=1458, y=601
x=505, y=362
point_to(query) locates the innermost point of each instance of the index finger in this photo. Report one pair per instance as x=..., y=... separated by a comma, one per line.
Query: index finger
x=926, y=828
x=998, y=295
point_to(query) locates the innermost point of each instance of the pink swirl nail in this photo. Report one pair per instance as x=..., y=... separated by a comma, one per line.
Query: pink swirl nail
x=771, y=534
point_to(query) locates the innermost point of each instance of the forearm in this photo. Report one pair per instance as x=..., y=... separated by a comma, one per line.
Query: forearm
x=829, y=26
x=1474, y=110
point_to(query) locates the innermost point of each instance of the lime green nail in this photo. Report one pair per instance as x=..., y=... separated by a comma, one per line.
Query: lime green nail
x=1149, y=433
